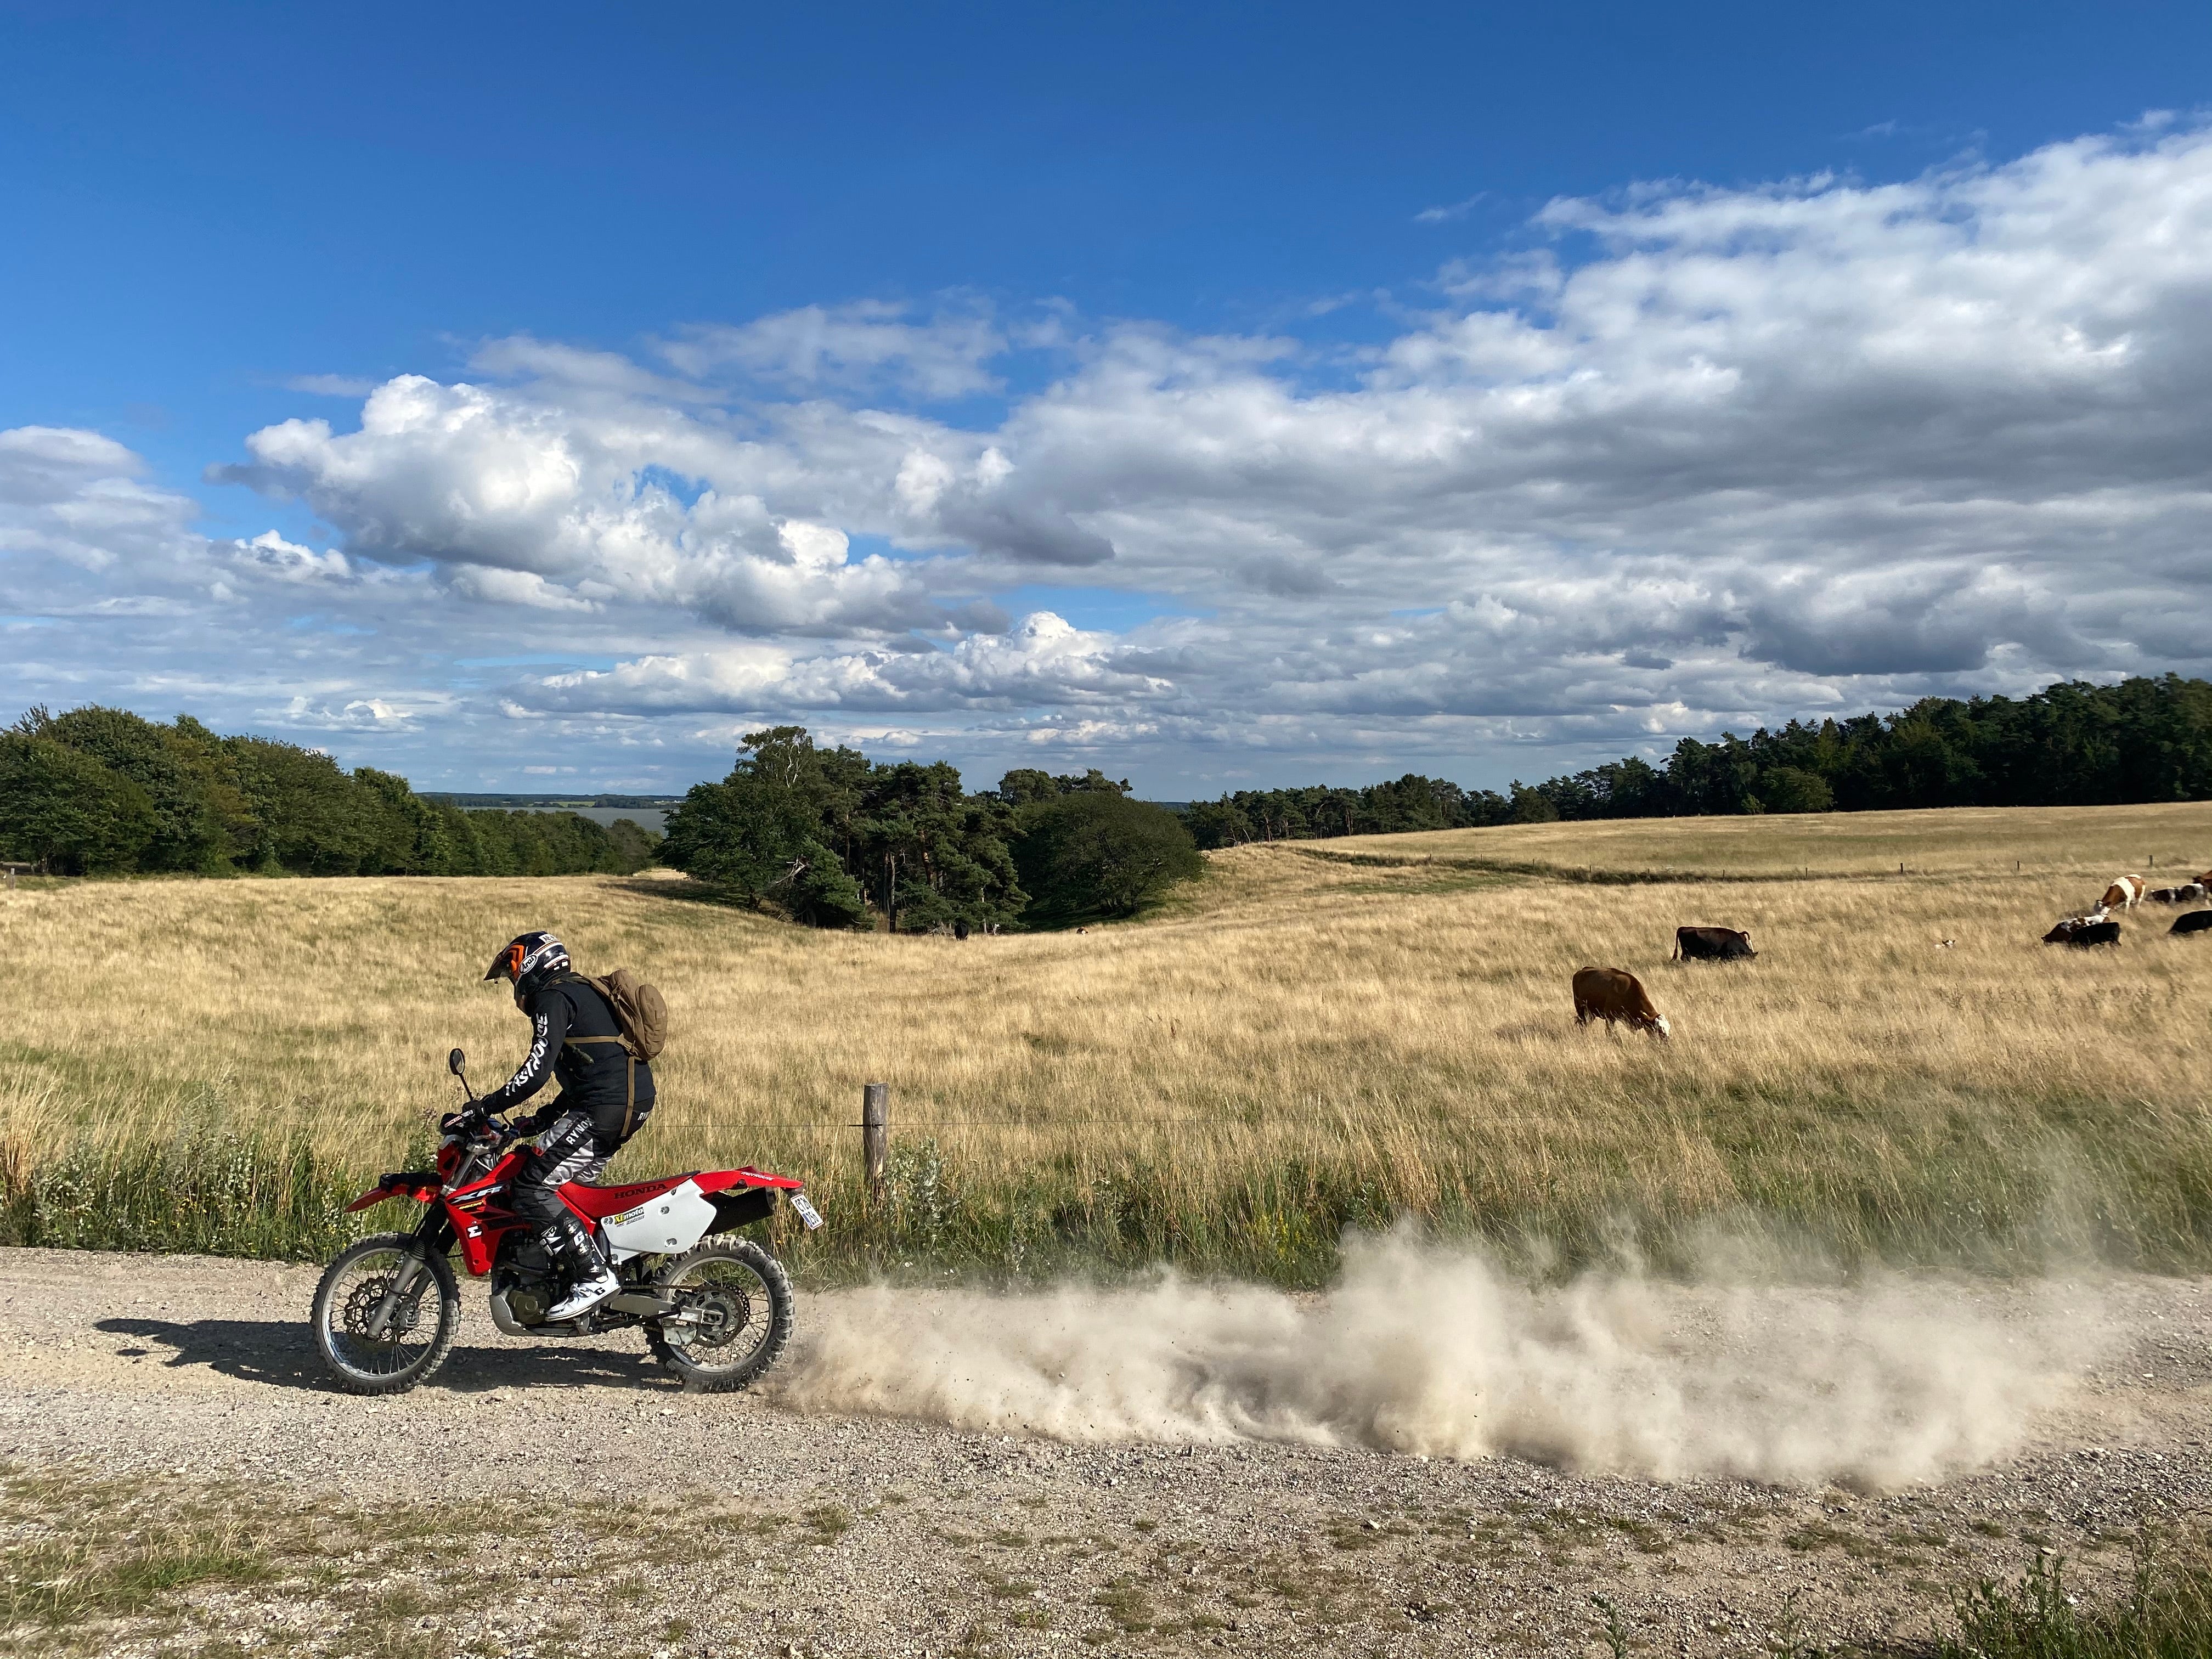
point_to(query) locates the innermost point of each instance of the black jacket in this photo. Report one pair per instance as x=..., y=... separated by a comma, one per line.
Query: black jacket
x=573, y=1038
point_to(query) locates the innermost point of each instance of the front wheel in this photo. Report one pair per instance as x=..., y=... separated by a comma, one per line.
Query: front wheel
x=733, y=1315
x=385, y=1314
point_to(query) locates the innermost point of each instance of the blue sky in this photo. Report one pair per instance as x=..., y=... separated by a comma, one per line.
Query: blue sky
x=1202, y=392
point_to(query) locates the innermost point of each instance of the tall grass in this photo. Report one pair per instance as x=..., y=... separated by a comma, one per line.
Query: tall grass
x=1297, y=1044
x=206, y=1186
x=2165, y=1614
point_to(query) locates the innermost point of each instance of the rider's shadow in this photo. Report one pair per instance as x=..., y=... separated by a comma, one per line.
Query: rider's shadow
x=279, y=1353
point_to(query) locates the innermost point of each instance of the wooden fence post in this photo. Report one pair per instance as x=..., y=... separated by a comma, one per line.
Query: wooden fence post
x=875, y=1135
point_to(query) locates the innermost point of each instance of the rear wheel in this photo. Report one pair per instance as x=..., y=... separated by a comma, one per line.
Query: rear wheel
x=734, y=1303
x=386, y=1315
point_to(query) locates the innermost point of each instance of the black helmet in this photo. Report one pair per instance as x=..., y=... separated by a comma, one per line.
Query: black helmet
x=529, y=959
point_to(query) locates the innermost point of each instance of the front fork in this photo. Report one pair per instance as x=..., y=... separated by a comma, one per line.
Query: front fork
x=434, y=1233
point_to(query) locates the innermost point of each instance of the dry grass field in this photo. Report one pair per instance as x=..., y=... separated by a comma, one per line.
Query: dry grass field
x=2073, y=843
x=1314, y=1036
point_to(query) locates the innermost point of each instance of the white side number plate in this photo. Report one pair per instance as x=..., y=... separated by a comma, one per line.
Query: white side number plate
x=807, y=1212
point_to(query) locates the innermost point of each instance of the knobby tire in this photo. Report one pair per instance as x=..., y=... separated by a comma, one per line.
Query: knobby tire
x=711, y=1379
x=448, y=1315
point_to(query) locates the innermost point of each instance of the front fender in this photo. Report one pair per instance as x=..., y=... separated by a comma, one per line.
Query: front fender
x=421, y=1185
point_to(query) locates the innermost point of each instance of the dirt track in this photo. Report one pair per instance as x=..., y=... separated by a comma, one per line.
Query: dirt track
x=867, y=1536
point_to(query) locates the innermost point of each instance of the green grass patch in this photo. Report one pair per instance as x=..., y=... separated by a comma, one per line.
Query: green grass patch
x=2166, y=1613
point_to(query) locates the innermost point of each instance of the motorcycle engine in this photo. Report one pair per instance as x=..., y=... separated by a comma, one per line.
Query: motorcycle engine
x=522, y=1287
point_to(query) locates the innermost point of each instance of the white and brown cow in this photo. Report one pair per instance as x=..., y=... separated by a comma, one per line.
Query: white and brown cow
x=2096, y=928
x=2124, y=894
x=1614, y=993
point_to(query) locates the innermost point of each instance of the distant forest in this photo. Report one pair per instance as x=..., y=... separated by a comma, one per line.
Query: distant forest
x=829, y=838
x=102, y=791
x=2070, y=744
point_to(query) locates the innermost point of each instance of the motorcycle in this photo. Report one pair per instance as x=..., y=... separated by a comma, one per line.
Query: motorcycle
x=715, y=1310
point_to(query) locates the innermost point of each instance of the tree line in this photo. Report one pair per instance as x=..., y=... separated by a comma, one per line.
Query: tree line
x=102, y=791
x=2072, y=744
x=831, y=838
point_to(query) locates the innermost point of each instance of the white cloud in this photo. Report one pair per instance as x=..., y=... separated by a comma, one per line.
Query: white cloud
x=850, y=347
x=269, y=555
x=331, y=386
x=525, y=500
x=522, y=587
x=1446, y=214
x=1698, y=456
x=1041, y=662
x=76, y=496
x=357, y=714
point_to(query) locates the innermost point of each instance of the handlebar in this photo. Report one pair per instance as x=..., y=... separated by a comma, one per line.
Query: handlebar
x=470, y=1123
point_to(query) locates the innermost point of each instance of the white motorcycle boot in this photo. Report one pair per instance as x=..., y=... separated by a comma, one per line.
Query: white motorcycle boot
x=594, y=1282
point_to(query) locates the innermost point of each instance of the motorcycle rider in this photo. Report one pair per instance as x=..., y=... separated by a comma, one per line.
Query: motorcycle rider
x=605, y=1099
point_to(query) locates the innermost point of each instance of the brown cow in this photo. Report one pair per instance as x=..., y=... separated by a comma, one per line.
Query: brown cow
x=2124, y=894
x=1614, y=993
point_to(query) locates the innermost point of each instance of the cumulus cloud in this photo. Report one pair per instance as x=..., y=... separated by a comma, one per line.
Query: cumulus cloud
x=78, y=497
x=518, y=498
x=1042, y=661
x=1683, y=456
x=357, y=714
x=270, y=555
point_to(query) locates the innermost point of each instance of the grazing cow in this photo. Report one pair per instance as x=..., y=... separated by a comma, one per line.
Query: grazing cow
x=2085, y=931
x=2187, y=893
x=2196, y=922
x=1711, y=944
x=1614, y=993
x=2124, y=894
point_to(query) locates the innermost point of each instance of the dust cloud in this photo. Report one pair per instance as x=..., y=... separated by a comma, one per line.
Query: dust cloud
x=1421, y=1349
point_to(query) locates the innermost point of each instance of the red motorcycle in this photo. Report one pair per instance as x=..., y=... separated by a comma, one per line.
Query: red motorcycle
x=715, y=1310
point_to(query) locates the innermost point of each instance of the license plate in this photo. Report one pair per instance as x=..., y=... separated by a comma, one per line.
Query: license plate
x=807, y=1212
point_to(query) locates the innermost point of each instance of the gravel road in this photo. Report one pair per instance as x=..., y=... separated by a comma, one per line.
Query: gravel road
x=625, y=1516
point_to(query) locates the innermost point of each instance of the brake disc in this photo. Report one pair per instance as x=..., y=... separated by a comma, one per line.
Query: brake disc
x=360, y=1307
x=718, y=1313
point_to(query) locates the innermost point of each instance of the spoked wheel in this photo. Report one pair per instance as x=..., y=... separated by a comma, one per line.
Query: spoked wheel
x=386, y=1315
x=734, y=1305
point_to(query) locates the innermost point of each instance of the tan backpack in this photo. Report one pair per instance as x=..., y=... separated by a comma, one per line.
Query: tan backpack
x=638, y=1010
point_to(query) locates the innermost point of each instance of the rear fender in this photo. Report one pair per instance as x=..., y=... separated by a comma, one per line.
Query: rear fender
x=716, y=1181
x=741, y=1197
x=739, y=1207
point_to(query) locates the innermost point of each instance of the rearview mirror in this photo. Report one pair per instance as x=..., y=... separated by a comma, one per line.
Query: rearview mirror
x=455, y=1061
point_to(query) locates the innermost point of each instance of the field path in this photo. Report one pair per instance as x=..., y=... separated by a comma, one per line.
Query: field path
x=845, y=1535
